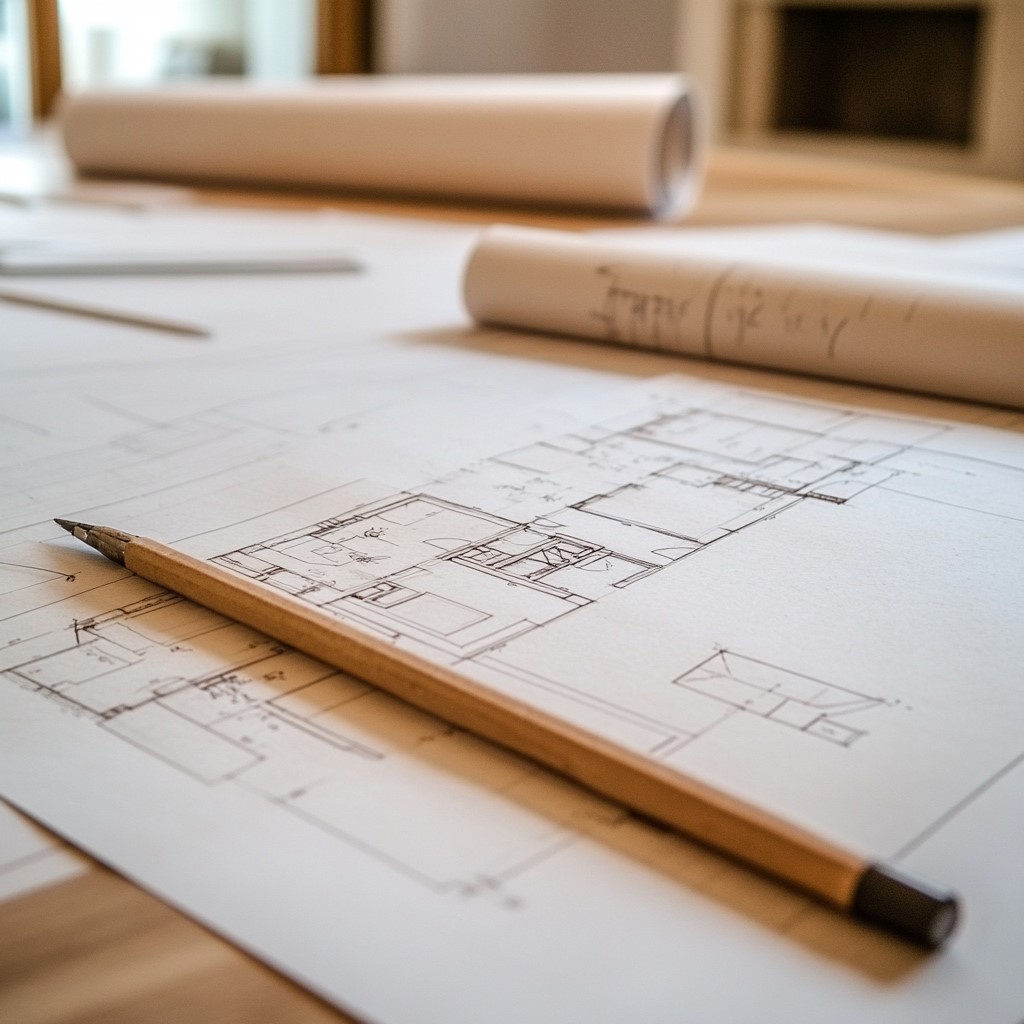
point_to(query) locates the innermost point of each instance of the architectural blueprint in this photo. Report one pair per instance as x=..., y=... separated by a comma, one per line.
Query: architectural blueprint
x=582, y=517
x=814, y=603
x=503, y=568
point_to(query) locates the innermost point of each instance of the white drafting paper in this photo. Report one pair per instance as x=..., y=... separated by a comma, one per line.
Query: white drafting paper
x=811, y=602
x=626, y=141
x=544, y=569
x=31, y=858
x=905, y=330
x=285, y=770
x=405, y=282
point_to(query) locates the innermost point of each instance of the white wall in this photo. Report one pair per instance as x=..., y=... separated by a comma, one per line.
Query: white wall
x=15, y=81
x=280, y=38
x=126, y=40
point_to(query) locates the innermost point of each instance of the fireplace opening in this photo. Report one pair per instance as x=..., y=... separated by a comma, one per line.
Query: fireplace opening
x=893, y=72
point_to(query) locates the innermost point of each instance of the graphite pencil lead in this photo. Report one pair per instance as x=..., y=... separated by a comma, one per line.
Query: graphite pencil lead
x=70, y=525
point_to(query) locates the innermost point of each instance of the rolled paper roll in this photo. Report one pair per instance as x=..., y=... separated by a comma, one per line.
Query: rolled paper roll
x=896, y=331
x=622, y=141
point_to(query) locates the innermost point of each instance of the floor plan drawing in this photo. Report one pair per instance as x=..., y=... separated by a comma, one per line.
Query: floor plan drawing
x=510, y=545
x=463, y=568
x=228, y=706
x=518, y=540
x=803, y=593
x=470, y=568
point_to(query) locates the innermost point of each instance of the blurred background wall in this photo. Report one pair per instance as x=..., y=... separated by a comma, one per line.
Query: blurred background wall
x=938, y=83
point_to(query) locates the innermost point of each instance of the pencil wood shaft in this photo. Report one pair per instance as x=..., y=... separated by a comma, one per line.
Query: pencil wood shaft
x=777, y=847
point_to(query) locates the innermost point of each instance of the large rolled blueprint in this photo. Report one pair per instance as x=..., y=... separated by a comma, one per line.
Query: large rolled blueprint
x=869, y=325
x=619, y=141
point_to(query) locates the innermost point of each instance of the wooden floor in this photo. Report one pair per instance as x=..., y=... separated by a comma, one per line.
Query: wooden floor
x=98, y=949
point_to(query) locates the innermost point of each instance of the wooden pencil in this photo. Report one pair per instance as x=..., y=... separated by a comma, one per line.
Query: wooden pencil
x=873, y=891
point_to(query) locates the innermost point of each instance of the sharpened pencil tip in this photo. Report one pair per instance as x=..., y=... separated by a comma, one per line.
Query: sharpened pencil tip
x=104, y=539
x=79, y=530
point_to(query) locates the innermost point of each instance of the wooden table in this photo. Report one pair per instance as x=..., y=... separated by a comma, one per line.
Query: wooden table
x=99, y=949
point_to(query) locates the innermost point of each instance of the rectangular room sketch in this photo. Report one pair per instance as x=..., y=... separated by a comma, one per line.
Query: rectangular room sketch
x=801, y=702
x=456, y=579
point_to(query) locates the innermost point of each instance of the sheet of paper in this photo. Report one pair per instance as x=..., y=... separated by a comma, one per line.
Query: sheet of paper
x=32, y=858
x=406, y=283
x=808, y=594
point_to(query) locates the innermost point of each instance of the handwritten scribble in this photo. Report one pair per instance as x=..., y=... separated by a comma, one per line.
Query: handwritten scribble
x=639, y=316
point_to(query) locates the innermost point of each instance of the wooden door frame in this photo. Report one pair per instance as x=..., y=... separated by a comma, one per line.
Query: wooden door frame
x=44, y=55
x=344, y=37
